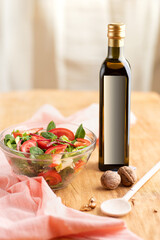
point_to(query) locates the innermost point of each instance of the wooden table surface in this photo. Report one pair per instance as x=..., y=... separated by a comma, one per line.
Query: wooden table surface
x=144, y=219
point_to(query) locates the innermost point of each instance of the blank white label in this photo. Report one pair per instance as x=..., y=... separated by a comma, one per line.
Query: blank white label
x=114, y=119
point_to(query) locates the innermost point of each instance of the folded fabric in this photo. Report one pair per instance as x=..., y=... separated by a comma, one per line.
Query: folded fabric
x=29, y=209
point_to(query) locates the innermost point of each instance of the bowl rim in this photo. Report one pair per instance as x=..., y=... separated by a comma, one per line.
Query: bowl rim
x=12, y=151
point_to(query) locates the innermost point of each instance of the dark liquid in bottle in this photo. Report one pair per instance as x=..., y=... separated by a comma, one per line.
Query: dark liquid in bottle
x=114, y=111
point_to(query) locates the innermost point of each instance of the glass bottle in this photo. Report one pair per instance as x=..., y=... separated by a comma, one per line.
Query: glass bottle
x=115, y=81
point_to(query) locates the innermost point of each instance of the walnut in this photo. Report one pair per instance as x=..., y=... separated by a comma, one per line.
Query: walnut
x=110, y=179
x=91, y=205
x=92, y=202
x=128, y=176
x=85, y=208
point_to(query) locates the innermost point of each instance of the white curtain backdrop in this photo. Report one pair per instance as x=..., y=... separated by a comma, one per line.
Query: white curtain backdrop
x=62, y=43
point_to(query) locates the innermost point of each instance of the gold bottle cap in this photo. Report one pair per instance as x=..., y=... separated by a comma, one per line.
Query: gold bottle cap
x=116, y=30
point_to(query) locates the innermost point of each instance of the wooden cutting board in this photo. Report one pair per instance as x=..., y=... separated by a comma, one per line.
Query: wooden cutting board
x=144, y=219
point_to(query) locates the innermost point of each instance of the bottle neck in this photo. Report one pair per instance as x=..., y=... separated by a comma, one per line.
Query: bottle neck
x=115, y=48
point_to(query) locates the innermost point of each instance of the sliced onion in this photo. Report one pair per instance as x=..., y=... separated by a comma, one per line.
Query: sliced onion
x=61, y=141
x=18, y=145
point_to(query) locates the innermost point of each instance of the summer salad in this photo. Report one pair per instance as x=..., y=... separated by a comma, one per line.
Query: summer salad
x=54, y=153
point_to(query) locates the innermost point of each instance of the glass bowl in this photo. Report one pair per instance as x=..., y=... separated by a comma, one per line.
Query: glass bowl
x=40, y=165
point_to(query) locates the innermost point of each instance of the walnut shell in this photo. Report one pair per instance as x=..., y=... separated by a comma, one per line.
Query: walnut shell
x=110, y=180
x=128, y=176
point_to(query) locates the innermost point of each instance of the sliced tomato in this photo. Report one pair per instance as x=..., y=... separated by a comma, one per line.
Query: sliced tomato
x=50, y=144
x=42, y=144
x=41, y=141
x=51, y=177
x=81, y=142
x=27, y=145
x=30, y=131
x=63, y=131
x=59, y=149
x=36, y=137
x=15, y=134
x=78, y=165
x=55, y=157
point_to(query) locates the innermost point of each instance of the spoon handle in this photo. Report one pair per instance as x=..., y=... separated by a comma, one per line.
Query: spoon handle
x=141, y=182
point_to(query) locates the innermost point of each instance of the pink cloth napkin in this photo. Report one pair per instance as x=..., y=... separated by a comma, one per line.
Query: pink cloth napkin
x=29, y=209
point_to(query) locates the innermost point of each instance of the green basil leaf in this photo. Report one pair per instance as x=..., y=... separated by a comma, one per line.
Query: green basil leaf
x=24, y=134
x=69, y=148
x=10, y=138
x=64, y=138
x=51, y=126
x=36, y=150
x=9, y=144
x=25, y=137
x=80, y=133
x=14, y=146
x=48, y=135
